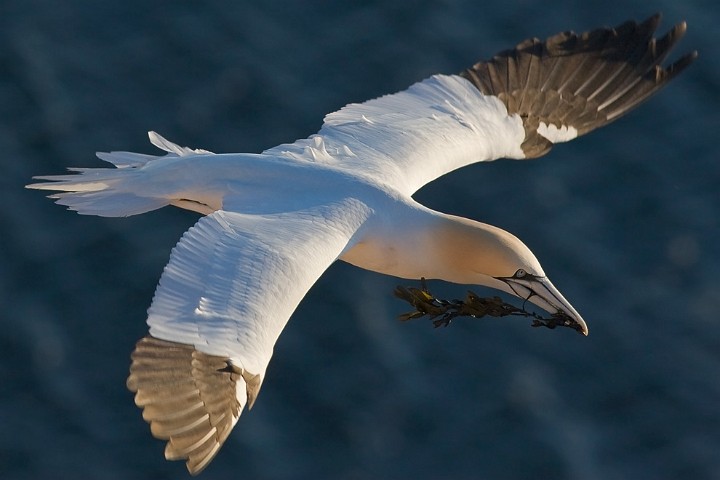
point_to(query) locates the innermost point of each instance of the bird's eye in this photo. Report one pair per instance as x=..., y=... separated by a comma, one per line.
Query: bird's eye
x=520, y=273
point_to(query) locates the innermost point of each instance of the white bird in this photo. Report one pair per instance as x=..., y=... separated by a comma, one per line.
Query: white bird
x=273, y=222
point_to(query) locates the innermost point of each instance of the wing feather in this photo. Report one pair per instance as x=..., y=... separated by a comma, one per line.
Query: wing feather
x=230, y=287
x=525, y=100
x=412, y=137
x=597, y=76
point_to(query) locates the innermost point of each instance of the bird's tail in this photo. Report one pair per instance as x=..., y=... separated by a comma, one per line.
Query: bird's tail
x=111, y=192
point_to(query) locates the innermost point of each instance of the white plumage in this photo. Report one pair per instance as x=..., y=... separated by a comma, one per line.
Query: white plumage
x=273, y=222
x=413, y=137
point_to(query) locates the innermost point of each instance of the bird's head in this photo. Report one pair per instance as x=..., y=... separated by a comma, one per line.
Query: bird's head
x=486, y=255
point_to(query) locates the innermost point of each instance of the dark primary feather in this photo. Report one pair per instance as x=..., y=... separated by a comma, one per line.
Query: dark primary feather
x=188, y=397
x=580, y=80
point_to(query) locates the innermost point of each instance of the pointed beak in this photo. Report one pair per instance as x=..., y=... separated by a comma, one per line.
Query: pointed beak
x=541, y=292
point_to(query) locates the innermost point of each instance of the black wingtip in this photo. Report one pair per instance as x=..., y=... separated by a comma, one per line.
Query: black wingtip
x=583, y=81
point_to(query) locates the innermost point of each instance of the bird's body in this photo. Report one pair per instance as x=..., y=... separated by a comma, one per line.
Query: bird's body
x=273, y=222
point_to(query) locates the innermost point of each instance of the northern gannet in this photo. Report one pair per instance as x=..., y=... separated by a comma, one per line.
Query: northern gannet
x=273, y=222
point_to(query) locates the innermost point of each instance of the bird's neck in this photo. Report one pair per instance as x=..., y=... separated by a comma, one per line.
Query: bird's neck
x=428, y=244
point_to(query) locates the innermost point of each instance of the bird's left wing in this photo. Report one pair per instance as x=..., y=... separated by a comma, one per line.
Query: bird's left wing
x=412, y=137
x=230, y=287
x=515, y=105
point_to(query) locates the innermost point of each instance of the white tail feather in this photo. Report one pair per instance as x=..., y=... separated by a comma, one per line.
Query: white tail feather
x=111, y=192
x=109, y=203
x=173, y=148
x=125, y=159
x=107, y=192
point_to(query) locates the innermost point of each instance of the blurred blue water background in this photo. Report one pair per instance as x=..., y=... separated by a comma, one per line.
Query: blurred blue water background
x=625, y=222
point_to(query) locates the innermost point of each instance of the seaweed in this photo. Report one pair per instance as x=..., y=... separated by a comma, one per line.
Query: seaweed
x=442, y=312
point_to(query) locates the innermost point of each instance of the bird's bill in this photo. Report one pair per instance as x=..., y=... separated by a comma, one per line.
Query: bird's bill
x=541, y=292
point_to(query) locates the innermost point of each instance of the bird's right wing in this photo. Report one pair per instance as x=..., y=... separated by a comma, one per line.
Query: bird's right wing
x=231, y=285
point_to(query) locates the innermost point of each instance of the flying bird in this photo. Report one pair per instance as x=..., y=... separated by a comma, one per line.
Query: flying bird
x=273, y=222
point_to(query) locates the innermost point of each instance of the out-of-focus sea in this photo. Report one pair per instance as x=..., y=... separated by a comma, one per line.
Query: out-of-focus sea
x=626, y=221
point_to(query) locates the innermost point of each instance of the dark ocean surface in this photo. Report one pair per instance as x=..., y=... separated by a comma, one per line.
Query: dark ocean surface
x=626, y=222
